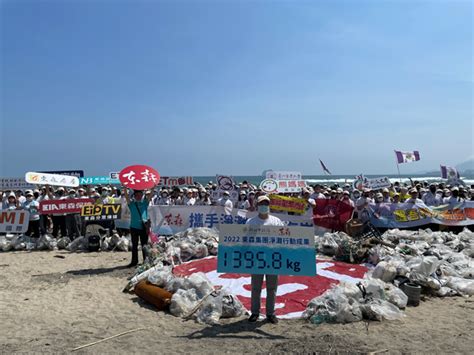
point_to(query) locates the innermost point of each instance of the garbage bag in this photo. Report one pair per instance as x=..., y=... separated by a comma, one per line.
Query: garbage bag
x=446, y=292
x=231, y=305
x=187, y=251
x=201, y=251
x=5, y=244
x=333, y=307
x=123, y=244
x=327, y=245
x=63, y=242
x=183, y=302
x=396, y=296
x=80, y=243
x=18, y=242
x=200, y=283
x=45, y=242
x=211, y=310
x=385, y=271
x=378, y=309
x=463, y=286
x=161, y=277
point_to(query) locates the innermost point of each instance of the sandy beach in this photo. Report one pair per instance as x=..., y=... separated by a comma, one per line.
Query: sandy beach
x=57, y=301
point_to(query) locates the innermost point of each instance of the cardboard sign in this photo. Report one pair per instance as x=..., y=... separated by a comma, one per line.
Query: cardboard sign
x=51, y=179
x=225, y=183
x=361, y=182
x=71, y=205
x=283, y=175
x=176, y=181
x=98, y=180
x=139, y=177
x=101, y=212
x=76, y=173
x=15, y=221
x=288, y=204
x=14, y=184
x=256, y=249
x=282, y=186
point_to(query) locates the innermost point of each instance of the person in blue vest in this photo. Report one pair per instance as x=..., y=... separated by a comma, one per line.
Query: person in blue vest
x=138, y=222
x=264, y=219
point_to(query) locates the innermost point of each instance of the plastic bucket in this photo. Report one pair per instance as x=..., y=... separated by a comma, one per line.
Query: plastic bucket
x=413, y=292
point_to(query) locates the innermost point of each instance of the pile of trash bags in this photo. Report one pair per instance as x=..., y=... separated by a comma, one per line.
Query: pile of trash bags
x=17, y=242
x=439, y=263
x=193, y=296
x=371, y=299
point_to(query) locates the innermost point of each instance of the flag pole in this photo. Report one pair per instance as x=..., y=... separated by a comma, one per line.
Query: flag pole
x=398, y=168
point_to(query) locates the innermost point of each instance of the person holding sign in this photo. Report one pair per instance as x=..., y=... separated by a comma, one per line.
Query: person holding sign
x=138, y=223
x=264, y=219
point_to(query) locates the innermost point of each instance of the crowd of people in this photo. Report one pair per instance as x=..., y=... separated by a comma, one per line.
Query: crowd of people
x=71, y=225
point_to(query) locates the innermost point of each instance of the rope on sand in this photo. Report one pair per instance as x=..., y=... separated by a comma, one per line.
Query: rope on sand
x=113, y=336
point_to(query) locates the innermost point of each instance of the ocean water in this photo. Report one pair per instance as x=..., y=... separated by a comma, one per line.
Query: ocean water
x=339, y=179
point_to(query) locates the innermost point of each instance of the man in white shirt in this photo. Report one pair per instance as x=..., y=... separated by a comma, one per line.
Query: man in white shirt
x=317, y=194
x=226, y=202
x=431, y=198
x=264, y=219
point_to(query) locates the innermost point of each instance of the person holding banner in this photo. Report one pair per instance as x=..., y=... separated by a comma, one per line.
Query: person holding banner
x=264, y=219
x=138, y=223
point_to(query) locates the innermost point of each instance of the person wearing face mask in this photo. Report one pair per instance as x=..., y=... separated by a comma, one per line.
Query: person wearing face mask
x=11, y=202
x=431, y=198
x=138, y=219
x=73, y=220
x=163, y=199
x=226, y=202
x=264, y=219
x=346, y=198
x=59, y=220
x=32, y=206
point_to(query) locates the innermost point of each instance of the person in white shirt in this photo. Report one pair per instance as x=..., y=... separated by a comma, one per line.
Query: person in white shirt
x=346, y=198
x=264, y=219
x=189, y=200
x=431, y=198
x=226, y=202
x=454, y=198
x=414, y=196
x=317, y=194
x=243, y=203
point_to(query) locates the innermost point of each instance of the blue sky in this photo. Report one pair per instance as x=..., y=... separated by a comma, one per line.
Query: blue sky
x=206, y=87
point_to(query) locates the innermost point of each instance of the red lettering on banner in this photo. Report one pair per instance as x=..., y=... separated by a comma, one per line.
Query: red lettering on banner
x=7, y=217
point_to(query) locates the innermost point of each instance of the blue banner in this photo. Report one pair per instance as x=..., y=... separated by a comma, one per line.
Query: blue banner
x=98, y=180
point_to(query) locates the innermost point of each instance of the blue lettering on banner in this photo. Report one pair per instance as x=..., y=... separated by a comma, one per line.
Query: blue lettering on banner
x=211, y=220
x=266, y=260
x=196, y=220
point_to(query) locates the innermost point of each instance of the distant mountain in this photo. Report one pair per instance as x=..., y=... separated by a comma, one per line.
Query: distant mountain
x=467, y=167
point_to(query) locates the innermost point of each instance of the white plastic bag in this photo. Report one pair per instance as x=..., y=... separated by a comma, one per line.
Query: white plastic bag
x=379, y=310
x=161, y=277
x=463, y=286
x=385, y=271
x=183, y=302
x=211, y=310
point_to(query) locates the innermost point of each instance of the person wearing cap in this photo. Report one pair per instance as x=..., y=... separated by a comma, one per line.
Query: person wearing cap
x=226, y=202
x=243, y=203
x=454, y=198
x=163, y=199
x=346, y=198
x=264, y=219
x=386, y=195
x=11, y=202
x=73, y=220
x=431, y=198
x=189, y=200
x=32, y=206
x=138, y=223
x=414, y=196
x=59, y=220
x=396, y=198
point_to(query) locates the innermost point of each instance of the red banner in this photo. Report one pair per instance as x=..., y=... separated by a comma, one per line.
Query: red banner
x=70, y=205
x=139, y=177
x=294, y=292
x=331, y=214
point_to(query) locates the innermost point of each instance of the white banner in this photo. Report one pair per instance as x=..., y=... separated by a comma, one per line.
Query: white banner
x=271, y=186
x=14, y=184
x=15, y=221
x=51, y=179
x=179, y=218
x=283, y=175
